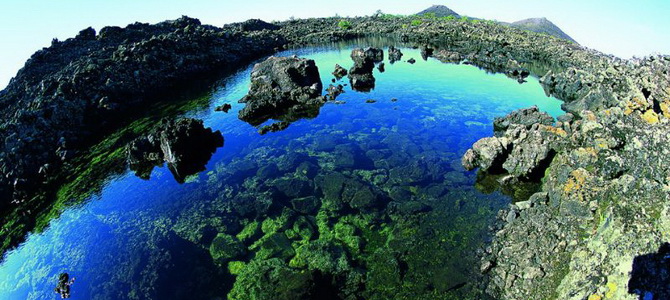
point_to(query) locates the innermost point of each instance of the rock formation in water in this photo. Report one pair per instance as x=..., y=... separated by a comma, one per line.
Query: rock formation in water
x=185, y=145
x=394, y=54
x=360, y=75
x=282, y=87
x=339, y=72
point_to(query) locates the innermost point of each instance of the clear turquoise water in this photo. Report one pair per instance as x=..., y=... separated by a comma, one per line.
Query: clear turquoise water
x=142, y=239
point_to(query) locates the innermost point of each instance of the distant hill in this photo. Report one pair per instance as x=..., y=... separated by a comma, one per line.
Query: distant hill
x=439, y=11
x=539, y=25
x=542, y=25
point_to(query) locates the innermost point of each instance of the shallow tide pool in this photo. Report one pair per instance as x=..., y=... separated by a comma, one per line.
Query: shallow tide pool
x=366, y=200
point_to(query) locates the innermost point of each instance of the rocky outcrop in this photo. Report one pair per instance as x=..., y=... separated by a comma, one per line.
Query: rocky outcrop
x=523, y=146
x=185, y=145
x=280, y=85
x=83, y=87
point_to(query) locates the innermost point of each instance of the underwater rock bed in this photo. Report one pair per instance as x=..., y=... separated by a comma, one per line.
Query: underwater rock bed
x=600, y=203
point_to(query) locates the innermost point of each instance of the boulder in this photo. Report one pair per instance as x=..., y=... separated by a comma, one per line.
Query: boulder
x=339, y=71
x=487, y=153
x=224, y=108
x=279, y=86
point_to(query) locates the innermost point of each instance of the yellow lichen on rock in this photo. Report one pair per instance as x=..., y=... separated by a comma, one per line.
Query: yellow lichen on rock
x=635, y=104
x=665, y=108
x=595, y=297
x=650, y=117
x=611, y=289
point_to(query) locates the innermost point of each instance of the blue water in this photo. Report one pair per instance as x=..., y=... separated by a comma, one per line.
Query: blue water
x=140, y=239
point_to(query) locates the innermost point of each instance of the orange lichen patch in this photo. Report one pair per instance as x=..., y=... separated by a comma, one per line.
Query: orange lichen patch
x=576, y=182
x=555, y=130
x=650, y=117
x=589, y=116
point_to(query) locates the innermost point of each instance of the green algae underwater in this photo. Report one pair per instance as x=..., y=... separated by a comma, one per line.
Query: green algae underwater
x=364, y=201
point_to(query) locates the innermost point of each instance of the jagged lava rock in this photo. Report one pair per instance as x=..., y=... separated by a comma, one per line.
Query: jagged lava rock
x=279, y=83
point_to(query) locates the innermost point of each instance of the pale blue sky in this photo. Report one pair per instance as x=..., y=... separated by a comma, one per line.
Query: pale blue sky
x=620, y=27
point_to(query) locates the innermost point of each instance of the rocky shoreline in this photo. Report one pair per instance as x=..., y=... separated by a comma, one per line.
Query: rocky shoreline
x=602, y=167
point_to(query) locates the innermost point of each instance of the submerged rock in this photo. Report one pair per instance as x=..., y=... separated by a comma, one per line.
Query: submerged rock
x=185, y=144
x=225, y=248
x=280, y=87
x=411, y=60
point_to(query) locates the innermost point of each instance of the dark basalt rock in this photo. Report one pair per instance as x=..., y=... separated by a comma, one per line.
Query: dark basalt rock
x=257, y=25
x=334, y=91
x=186, y=145
x=394, y=54
x=339, y=71
x=281, y=86
x=426, y=52
x=360, y=75
x=224, y=108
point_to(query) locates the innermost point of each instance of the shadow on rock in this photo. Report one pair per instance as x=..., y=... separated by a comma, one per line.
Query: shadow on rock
x=650, y=278
x=185, y=144
x=518, y=190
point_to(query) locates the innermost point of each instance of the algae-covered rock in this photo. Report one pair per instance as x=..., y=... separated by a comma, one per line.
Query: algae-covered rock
x=274, y=245
x=226, y=247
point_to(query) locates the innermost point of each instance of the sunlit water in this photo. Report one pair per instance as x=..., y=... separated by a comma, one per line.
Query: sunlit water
x=143, y=239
